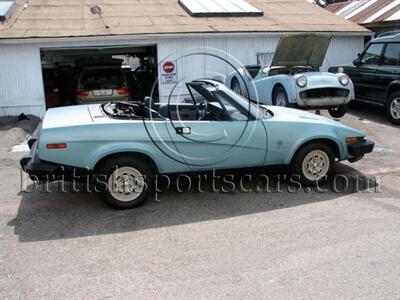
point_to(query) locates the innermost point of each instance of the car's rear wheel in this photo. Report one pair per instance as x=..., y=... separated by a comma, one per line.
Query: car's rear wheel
x=338, y=111
x=280, y=97
x=127, y=181
x=393, y=108
x=313, y=163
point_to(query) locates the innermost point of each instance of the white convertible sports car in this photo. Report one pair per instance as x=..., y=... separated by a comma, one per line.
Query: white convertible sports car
x=292, y=78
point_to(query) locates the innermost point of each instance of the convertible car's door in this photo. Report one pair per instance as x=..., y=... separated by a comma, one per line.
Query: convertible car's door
x=217, y=142
x=220, y=145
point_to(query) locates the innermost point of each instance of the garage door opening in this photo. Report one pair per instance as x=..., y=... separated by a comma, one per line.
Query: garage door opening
x=96, y=75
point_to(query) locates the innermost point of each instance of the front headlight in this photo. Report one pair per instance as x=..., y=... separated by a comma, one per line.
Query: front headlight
x=344, y=79
x=301, y=81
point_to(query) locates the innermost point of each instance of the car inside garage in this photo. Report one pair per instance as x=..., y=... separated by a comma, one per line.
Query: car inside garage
x=98, y=74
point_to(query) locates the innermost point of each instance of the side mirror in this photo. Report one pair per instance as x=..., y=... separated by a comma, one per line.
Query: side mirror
x=357, y=62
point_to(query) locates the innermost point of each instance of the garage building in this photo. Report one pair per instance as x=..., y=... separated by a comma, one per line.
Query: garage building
x=43, y=42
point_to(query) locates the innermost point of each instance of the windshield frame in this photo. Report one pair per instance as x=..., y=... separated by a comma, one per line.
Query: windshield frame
x=252, y=106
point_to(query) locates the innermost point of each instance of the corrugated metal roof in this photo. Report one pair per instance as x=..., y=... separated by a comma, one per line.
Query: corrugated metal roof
x=60, y=18
x=337, y=6
x=367, y=11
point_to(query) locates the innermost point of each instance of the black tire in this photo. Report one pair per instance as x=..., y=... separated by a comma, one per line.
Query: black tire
x=122, y=163
x=280, y=97
x=392, y=115
x=235, y=86
x=337, y=111
x=296, y=167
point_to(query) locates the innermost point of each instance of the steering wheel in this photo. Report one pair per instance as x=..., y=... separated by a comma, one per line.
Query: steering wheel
x=201, y=110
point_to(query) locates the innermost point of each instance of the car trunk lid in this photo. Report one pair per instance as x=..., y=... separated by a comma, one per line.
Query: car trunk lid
x=67, y=116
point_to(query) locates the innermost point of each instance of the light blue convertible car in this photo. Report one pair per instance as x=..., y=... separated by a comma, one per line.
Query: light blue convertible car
x=292, y=78
x=123, y=145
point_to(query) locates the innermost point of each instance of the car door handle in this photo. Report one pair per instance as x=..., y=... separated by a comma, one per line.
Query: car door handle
x=183, y=130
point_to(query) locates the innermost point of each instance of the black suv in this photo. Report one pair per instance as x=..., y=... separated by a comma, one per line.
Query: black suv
x=376, y=74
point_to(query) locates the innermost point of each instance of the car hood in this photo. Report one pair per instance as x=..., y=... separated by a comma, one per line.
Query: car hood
x=296, y=115
x=301, y=50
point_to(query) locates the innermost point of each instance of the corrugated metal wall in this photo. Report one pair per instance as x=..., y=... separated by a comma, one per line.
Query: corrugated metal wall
x=21, y=84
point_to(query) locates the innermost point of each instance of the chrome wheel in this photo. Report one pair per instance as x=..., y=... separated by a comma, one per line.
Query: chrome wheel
x=395, y=108
x=281, y=99
x=126, y=184
x=316, y=165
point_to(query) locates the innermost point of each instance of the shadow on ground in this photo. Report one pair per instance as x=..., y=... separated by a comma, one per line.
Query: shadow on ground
x=26, y=123
x=50, y=216
x=365, y=111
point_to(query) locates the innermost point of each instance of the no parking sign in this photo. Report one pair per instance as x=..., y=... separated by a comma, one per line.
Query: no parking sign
x=169, y=72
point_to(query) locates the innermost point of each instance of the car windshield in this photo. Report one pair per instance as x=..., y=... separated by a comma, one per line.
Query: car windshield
x=249, y=104
x=102, y=78
x=204, y=95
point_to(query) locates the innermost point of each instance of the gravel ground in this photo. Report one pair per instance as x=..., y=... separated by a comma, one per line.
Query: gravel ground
x=207, y=245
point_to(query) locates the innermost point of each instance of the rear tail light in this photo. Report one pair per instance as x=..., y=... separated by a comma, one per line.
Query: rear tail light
x=83, y=94
x=57, y=146
x=122, y=91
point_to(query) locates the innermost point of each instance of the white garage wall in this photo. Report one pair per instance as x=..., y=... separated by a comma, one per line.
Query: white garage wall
x=237, y=50
x=21, y=83
x=343, y=50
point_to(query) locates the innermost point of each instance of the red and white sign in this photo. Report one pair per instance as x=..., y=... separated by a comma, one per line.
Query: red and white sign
x=168, y=67
x=169, y=72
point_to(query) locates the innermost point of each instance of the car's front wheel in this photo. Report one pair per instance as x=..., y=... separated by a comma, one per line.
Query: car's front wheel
x=125, y=181
x=235, y=86
x=313, y=163
x=280, y=97
x=338, y=111
x=393, y=108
